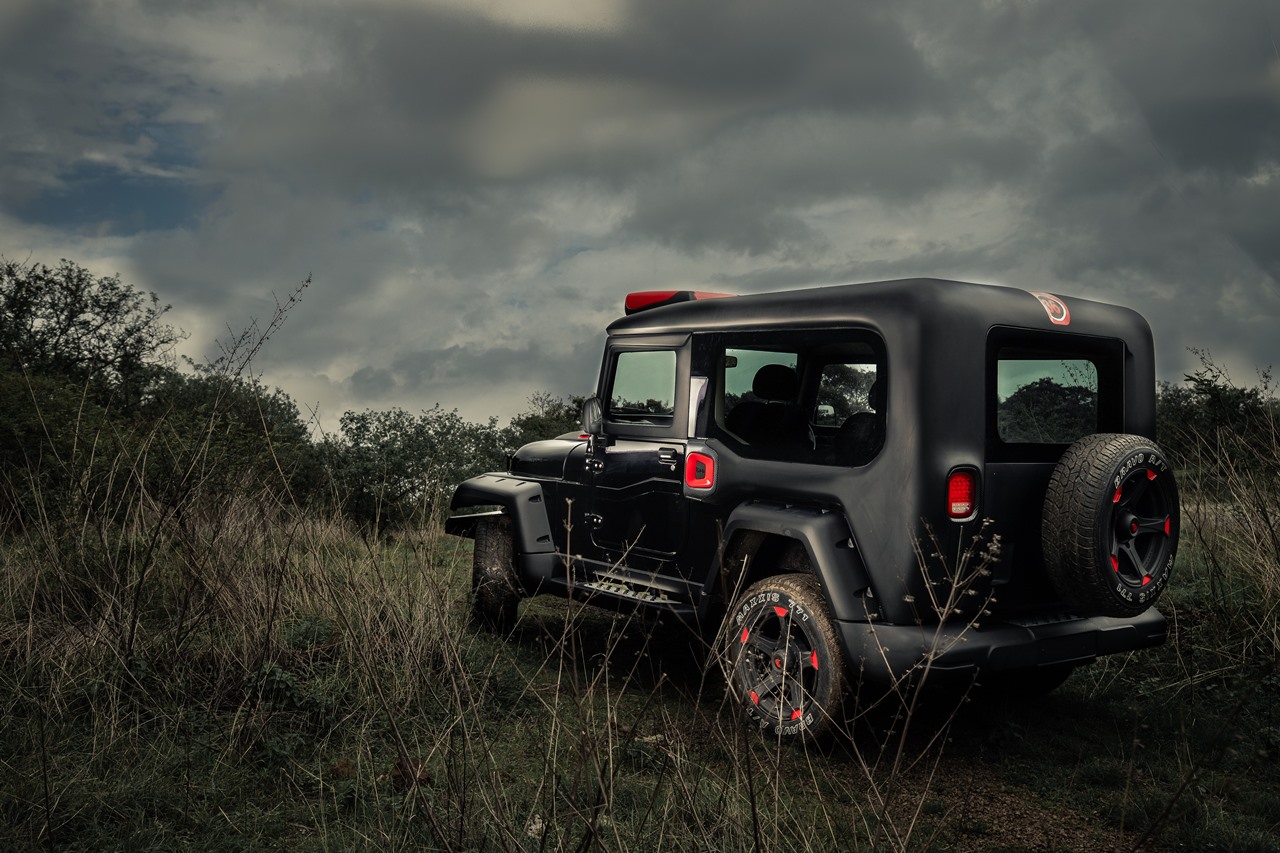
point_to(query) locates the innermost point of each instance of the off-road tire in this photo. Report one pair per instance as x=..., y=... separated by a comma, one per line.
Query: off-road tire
x=1110, y=525
x=784, y=662
x=495, y=593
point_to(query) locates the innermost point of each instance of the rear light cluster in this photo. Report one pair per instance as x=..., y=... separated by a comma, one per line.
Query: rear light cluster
x=962, y=494
x=699, y=471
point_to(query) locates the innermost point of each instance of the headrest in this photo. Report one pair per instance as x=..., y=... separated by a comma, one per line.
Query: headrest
x=775, y=382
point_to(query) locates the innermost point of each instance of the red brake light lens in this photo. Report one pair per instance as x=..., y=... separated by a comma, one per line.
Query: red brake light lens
x=699, y=471
x=962, y=494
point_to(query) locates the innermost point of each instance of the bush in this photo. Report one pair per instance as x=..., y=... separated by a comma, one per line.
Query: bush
x=227, y=434
x=392, y=468
x=87, y=329
x=1225, y=439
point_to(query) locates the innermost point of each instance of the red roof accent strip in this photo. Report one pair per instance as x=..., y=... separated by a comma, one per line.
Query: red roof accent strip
x=643, y=300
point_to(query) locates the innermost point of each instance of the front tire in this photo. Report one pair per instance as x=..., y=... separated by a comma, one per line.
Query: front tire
x=495, y=593
x=1110, y=526
x=785, y=664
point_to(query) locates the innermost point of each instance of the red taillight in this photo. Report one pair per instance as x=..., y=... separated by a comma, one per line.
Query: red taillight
x=962, y=494
x=699, y=471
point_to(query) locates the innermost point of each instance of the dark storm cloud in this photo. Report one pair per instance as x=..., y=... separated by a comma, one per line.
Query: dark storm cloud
x=404, y=78
x=750, y=190
x=817, y=54
x=458, y=373
x=78, y=102
x=473, y=186
x=1203, y=75
x=1252, y=225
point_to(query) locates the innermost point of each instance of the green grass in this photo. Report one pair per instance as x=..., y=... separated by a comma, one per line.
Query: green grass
x=293, y=686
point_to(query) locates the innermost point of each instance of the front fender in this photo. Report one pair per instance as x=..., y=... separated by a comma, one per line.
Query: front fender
x=827, y=541
x=521, y=499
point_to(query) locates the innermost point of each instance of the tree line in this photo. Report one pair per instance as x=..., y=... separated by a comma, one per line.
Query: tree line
x=95, y=414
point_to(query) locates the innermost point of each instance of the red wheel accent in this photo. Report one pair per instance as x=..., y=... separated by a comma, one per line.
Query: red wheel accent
x=789, y=672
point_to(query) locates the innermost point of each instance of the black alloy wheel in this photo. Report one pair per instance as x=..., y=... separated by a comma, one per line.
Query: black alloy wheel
x=785, y=663
x=1110, y=525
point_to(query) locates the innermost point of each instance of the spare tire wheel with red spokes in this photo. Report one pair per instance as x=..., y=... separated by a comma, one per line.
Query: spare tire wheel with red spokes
x=1110, y=524
x=786, y=666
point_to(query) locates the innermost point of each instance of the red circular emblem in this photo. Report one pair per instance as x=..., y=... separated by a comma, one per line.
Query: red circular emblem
x=1054, y=307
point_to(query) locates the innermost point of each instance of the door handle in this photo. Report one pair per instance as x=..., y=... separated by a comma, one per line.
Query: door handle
x=669, y=456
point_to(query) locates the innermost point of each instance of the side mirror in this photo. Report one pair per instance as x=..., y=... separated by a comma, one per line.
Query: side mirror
x=592, y=416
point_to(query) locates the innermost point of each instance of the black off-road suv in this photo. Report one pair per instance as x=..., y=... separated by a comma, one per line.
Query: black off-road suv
x=853, y=484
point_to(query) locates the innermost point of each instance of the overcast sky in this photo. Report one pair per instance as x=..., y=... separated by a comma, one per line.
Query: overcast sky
x=474, y=185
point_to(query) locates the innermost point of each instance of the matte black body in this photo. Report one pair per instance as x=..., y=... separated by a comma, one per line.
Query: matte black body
x=623, y=529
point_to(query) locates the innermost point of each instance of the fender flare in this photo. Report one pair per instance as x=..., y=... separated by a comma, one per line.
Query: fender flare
x=520, y=499
x=827, y=540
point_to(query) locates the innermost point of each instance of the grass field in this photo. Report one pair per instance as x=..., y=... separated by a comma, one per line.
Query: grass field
x=232, y=682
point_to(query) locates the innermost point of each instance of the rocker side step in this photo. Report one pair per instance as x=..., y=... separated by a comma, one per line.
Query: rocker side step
x=675, y=589
x=597, y=592
x=621, y=590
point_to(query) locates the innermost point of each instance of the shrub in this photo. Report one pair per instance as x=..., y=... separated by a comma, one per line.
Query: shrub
x=1226, y=440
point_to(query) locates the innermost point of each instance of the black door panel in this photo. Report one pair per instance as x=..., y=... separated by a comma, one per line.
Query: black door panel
x=637, y=510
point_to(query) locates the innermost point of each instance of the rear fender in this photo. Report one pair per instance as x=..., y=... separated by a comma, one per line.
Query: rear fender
x=520, y=499
x=827, y=542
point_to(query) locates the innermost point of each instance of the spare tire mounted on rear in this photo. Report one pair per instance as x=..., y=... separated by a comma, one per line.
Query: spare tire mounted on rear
x=1110, y=524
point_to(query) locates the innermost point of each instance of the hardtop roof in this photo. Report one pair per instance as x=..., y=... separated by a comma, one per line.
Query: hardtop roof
x=928, y=302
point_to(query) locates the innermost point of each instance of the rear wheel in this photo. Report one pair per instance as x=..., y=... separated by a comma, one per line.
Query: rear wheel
x=1110, y=527
x=495, y=593
x=785, y=664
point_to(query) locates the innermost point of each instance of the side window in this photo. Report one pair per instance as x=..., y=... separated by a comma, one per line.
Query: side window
x=644, y=387
x=845, y=390
x=1045, y=401
x=741, y=367
x=810, y=396
x=761, y=406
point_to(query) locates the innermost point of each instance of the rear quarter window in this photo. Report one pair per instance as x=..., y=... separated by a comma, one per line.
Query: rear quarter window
x=1047, y=390
x=1046, y=401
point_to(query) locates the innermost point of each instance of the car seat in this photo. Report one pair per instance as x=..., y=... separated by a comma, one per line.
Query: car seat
x=861, y=436
x=773, y=419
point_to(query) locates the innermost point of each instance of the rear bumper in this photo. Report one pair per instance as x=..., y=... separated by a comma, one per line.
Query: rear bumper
x=891, y=651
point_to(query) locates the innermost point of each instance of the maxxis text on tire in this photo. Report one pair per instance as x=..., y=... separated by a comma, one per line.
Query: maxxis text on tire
x=495, y=593
x=785, y=663
x=1110, y=524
